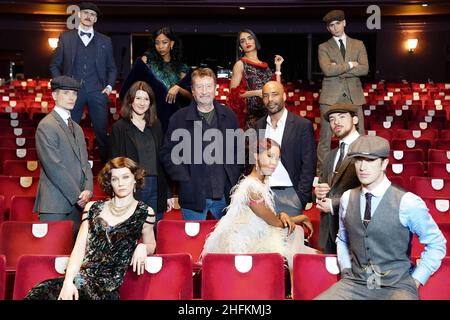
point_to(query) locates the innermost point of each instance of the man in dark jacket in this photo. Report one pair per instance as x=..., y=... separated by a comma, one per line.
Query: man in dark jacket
x=204, y=185
x=86, y=55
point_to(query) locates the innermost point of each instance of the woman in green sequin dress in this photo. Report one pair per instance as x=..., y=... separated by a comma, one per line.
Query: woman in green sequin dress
x=107, y=241
x=164, y=60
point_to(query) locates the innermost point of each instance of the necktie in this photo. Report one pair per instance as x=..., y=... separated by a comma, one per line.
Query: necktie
x=70, y=125
x=342, y=47
x=341, y=156
x=368, y=209
x=82, y=33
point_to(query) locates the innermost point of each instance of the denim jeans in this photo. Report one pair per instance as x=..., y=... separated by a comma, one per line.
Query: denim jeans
x=149, y=195
x=216, y=207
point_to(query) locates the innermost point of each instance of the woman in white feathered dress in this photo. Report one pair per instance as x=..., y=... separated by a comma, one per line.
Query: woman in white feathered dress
x=251, y=224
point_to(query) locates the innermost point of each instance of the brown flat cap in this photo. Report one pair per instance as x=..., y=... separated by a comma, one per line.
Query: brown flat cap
x=64, y=83
x=341, y=107
x=372, y=147
x=90, y=6
x=334, y=15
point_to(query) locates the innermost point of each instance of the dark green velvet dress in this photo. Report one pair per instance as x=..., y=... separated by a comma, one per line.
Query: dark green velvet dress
x=109, y=251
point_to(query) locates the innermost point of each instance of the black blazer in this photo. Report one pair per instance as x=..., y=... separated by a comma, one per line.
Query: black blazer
x=298, y=153
x=123, y=143
x=64, y=57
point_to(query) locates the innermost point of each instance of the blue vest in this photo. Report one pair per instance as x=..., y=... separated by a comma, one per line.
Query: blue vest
x=84, y=68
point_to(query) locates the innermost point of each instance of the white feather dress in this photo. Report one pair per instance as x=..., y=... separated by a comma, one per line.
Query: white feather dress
x=242, y=231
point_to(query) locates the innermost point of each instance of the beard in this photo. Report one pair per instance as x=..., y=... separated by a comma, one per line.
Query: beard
x=278, y=108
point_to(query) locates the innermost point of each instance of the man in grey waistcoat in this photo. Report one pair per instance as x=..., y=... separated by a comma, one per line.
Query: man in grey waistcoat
x=65, y=182
x=376, y=223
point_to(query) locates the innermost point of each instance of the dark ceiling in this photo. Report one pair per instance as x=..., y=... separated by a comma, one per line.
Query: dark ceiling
x=113, y=9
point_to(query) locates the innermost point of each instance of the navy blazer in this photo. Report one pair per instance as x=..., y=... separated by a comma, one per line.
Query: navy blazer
x=190, y=176
x=64, y=57
x=298, y=153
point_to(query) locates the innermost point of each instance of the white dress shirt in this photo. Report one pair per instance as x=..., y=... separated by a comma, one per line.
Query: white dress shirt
x=64, y=114
x=85, y=38
x=280, y=177
x=348, y=140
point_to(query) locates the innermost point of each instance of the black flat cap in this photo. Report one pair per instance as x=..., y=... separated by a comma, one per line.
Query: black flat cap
x=334, y=15
x=341, y=107
x=90, y=6
x=64, y=83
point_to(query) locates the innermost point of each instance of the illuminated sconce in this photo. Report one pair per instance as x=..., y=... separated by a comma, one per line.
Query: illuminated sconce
x=412, y=44
x=53, y=42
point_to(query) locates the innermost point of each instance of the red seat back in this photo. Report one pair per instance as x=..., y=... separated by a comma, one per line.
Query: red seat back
x=261, y=277
x=33, y=269
x=313, y=274
x=439, y=209
x=22, y=209
x=167, y=277
x=2, y=276
x=436, y=155
x=430, y=187
x=21, y=168
x=438, y=285
x=13, y=186
x=172, y=237
x=19, y=238
x=439, y=170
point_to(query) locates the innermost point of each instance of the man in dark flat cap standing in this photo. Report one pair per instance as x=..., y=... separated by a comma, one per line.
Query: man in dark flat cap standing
x=376, y=224
x=87, y=56
x=65, y=183
x=342, y=60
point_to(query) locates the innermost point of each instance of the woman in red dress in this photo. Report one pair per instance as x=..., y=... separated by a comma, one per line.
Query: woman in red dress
x=249, y=76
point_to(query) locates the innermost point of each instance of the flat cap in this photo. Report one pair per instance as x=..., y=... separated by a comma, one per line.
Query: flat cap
x=64, y=83
x=334, y=15
x=341, y=107
x=372, y=147
x=90, y=6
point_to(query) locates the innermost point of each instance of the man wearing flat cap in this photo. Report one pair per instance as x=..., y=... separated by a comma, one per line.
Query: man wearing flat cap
x=342, y=60
x=376, y=223
x=338, y=173
x=87, y=56
x=65, y=183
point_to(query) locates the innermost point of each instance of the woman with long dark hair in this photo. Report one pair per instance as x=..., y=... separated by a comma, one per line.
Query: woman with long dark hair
x=249, y=76
x=138, y=135
x=161, y=66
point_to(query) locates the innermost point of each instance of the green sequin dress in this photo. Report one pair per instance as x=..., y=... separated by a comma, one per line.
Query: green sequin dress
x=109, y=251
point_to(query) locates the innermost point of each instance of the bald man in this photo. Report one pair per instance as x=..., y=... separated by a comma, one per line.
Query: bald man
x=292, y=179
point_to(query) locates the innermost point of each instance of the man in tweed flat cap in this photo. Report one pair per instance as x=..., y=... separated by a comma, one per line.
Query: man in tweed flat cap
x=342, y=60
x=65, y=183
x=376, y=221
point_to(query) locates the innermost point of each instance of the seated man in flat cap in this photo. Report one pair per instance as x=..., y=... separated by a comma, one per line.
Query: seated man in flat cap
x=342, y=60
x=376, y=221
x=87, y=55
x=65, y=183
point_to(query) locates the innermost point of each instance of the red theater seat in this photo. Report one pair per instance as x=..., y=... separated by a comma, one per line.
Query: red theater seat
x=435, y=155
x=21, y=168
x=19, y=238
x=430, y=187
x=439, y=170
x=313, y=274
x=33, y=269
x=166, y=277
x=409, y=155
x=2, y=276
x=258, y=276
x=22, y=209
x=11, y=186
x=438, y=285
x=439, y=209
x=175, y=236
